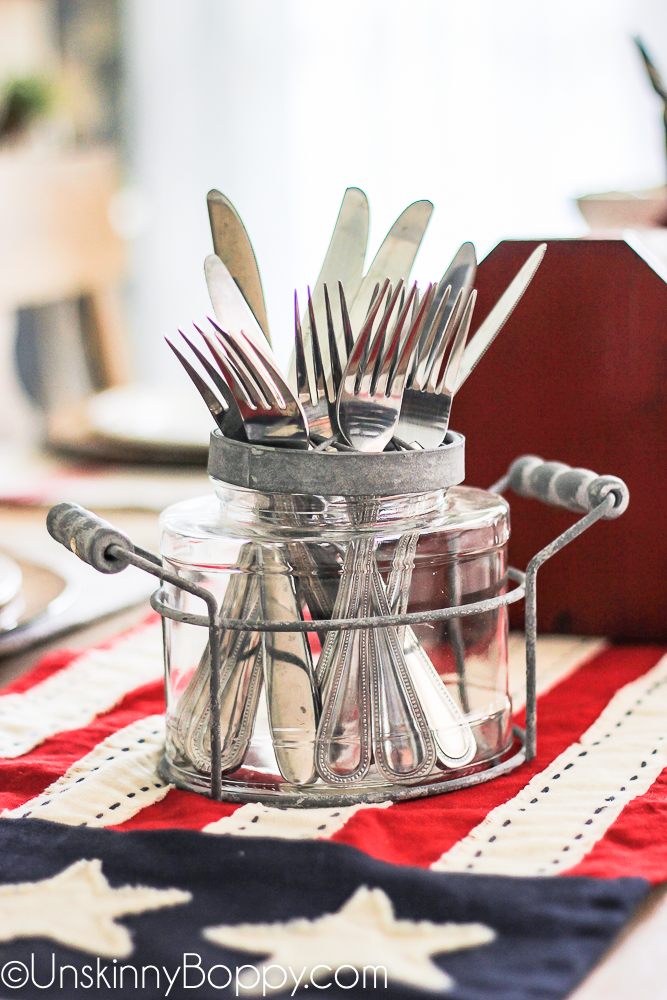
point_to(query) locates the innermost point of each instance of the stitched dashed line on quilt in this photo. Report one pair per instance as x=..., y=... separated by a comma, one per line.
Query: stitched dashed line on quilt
x=562, y=812
x=71, y=698
x=110, y=784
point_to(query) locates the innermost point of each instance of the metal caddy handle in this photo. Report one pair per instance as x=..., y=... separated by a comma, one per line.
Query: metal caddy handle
x=108, y=550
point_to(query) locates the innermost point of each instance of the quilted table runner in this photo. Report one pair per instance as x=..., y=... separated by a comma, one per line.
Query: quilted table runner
x=459, y=895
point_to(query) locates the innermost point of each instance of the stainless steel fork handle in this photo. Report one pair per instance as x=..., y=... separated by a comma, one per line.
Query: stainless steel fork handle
x=344, y=751
x=291, y=692
x=400, y=575
x=240, y=679
x=370, y=702
x=403, y=744
x=454, y=738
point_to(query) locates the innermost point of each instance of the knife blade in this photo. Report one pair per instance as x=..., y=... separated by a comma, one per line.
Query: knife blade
x=230, y=307
x=460, y=275
x=232, y=245
x=393, y=260
x=344, y=261
x=501, y=312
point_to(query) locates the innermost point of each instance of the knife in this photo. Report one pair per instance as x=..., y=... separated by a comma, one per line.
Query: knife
x=393, y=260
x=501, y=312
x=232, y=245
x=230, y=307
x=292, y=697
x=344, y=262
x=459, y=276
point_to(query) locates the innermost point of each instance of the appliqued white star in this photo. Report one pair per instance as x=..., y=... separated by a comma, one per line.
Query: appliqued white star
x=363, y=933
x=78, y=908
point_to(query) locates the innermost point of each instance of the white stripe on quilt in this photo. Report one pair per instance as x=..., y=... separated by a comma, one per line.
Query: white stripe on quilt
x=257, y=820
x=561, y=813
x=71, y=698
x=113, y=782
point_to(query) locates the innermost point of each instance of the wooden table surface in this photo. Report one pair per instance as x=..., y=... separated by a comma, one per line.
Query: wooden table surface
x=636, y=966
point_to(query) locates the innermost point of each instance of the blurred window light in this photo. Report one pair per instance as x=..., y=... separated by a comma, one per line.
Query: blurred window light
x=129, y=213
x=500, y=113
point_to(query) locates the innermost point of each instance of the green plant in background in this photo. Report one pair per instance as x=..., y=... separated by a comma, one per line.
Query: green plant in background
x=23, y=101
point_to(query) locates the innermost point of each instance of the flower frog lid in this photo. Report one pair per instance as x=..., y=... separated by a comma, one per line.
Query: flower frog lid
x=343, y=473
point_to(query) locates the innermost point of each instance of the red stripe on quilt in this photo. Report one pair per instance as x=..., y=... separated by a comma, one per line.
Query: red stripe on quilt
x=179, y=809
x=47, y=667
x=635, y=843
x=418, y=832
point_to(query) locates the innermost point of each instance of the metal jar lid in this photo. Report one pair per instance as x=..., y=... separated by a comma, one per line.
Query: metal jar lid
x=347, y=473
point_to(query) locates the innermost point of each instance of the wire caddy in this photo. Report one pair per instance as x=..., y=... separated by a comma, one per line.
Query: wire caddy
x=108, y=550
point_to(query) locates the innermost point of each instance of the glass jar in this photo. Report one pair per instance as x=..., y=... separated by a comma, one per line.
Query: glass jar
x=343, y=715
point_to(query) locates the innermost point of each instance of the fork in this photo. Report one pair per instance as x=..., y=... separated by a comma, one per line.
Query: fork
x=427, y=403
x=319, y=406
x=423, y=423
x=226, y=414
x=370, y=703
x=399, y=659
x=241, y=653
x=369, y=400
x=263, y=401
x=271, y=413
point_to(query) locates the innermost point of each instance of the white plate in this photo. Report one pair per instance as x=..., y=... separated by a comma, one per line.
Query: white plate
x=146, y=415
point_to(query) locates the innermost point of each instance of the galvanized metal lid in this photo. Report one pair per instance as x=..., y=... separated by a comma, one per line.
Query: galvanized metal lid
x=348, y=473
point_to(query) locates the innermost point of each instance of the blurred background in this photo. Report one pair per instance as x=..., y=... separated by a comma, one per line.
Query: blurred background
x=119, y=115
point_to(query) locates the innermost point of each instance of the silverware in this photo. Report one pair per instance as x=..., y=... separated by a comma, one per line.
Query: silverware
x=291, y=691
x=369, y=699
x=425, y=408
x=343, y=747
x=241, y=678
x=226, y=415
x=369, y=401
x=285, y=659
x=501, y=312
x=327, y=388
x=459, y=277
x=344, y=262
x=318, y=405
x=231, y=310
x=403, y=680
x=403, y=744
x=270, y=413
x=241, y=653
x=393, y=260
x=232, y=245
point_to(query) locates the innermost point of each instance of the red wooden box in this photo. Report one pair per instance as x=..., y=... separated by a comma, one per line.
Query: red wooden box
x=579, y=374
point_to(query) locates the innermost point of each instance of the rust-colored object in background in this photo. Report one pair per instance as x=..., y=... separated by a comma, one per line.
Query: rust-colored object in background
x=579, y=375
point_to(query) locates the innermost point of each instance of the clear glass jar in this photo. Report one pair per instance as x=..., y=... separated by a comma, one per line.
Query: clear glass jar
x=344, y=716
